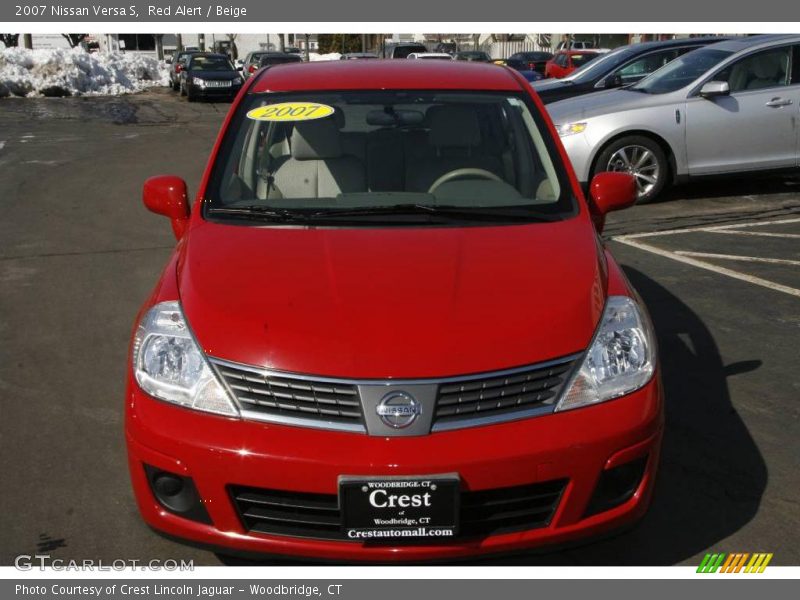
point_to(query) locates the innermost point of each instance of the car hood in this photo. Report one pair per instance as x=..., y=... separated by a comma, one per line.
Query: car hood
x=402, y=302
x=603, y=103
x=546, y=85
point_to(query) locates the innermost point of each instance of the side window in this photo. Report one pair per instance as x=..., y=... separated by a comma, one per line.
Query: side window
x=561, y=60
x=766, y=69
x=796, y=64
x=645, y=65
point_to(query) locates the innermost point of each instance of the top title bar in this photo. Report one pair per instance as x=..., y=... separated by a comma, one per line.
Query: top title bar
x=444, y=11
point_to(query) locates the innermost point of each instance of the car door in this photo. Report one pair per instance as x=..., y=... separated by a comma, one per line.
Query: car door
x=754, y=127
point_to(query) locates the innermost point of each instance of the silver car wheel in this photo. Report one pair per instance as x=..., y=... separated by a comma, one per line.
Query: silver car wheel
x=639, y=162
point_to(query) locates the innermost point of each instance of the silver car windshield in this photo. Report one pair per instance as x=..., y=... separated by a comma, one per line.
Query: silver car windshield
x=320, y=153
x=681, y=72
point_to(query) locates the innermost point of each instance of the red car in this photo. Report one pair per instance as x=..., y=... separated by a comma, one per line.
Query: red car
x=566, y=61
x=389, y=330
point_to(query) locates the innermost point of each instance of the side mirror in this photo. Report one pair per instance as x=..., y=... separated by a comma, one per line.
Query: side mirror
x=168, y=60
x=166, y=195
x=609, y=192
x=612, y=81
x=712, y=89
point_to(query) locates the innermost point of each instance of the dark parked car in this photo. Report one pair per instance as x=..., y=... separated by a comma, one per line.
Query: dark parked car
x=358, y=56
x=177, y=65
x=402, y=49
x=623, y=66
x=473, y=56
x=529, y=61
x=209, y=75
x=269, y=59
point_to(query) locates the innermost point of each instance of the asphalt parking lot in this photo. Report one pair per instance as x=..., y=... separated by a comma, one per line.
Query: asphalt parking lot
x=716, y=263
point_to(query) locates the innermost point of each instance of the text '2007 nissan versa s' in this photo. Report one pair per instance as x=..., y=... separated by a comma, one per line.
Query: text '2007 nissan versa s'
x=389, y=330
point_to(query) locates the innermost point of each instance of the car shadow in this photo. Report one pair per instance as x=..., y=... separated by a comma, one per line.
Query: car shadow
x=734, y=185
x=712, y=475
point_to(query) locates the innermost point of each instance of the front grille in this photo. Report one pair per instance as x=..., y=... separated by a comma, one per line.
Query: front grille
x=483, y=513
x=500, y=395
x=280, y=396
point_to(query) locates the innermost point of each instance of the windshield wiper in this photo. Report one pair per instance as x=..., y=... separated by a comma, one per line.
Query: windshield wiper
x=266, y=213
x=285, y=215
x=446, y=210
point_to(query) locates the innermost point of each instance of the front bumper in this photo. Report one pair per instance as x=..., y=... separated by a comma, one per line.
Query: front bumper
x=213, y=92
x=579, y=151
x=218, y=452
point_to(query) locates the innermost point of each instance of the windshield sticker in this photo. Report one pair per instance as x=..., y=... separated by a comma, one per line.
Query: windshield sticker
x=291, y=111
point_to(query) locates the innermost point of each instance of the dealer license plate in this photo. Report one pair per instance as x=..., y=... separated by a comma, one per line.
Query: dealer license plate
x=397, y=508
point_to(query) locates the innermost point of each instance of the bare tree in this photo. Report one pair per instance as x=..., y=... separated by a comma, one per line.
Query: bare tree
x=74, y=38
x=234, y=50
x=11, y=40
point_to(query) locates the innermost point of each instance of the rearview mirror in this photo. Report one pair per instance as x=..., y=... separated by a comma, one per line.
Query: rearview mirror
x=609, y=192
x=166, y=195
x=711, y=89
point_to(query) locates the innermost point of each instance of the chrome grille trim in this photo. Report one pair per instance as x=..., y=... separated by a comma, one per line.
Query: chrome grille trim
x=307, y=382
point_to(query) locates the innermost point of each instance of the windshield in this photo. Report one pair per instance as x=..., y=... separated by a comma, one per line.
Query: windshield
x=579, y=60
x=681, y=72
x=325, y=154
x=210, y=63
x=599, y=66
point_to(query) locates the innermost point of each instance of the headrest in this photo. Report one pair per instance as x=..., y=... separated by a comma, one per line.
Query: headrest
x=454, y=126
x=767, y=66
x=316, y=140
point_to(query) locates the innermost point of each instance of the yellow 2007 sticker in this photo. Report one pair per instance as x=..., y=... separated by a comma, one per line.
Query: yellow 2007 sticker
x=291, y=111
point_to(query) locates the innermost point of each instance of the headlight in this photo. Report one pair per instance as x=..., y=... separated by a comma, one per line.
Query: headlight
x=570, y=129
x=620, y=360
x=237, y=80
x=199, y=81
x=169, y=365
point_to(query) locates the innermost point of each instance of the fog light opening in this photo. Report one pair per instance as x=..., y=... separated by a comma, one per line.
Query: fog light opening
x=177, y=494
x=616, y=486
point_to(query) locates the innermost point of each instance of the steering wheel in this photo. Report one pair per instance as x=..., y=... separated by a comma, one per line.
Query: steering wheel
x=482, y=173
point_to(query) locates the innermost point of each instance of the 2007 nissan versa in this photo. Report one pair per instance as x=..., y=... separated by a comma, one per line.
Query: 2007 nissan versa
x=389, y=330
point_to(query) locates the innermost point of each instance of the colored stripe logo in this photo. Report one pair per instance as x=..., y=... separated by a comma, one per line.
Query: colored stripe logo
x=736, y=562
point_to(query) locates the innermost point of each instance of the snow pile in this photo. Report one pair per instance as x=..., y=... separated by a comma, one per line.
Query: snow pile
x=77, y=72
x=314, y=57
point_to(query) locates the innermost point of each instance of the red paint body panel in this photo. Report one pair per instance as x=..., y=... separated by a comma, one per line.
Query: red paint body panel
x=399, y=302
x=382, y=302
x=384, y=75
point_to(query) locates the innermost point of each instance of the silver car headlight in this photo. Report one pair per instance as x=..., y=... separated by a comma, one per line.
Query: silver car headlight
x=620, y=360
x=168, y=363
x=566, y=129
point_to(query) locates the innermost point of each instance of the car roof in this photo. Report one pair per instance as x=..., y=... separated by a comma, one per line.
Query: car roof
x=743, y=43
x=580, y=51
x=386, y=74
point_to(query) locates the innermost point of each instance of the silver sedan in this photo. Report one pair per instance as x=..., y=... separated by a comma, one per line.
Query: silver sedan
x=730, y=107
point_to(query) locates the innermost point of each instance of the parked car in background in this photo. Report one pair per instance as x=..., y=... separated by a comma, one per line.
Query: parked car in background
x=430, y=56
x=269, y=59
x=208, y=75
x=730, y=107
x=177, y=65
x=622, y=66
x=403, y=49
x=292, y=50
x=529, y=61
x=358, y=56
x=574, y=45
x=473, y=56
x=446, y=47
x=378, y=340
x=565, y=62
